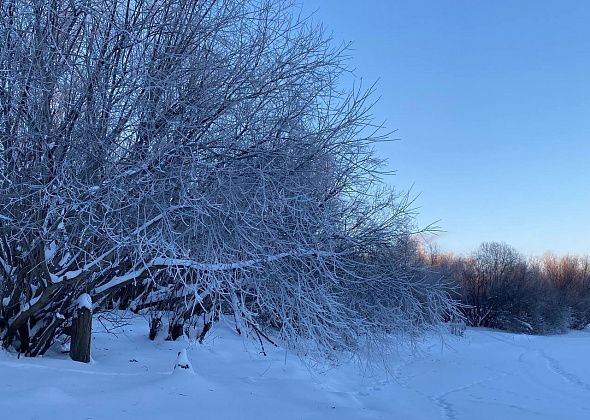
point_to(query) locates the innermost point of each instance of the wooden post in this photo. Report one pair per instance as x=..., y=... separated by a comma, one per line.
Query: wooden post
x=82, y=330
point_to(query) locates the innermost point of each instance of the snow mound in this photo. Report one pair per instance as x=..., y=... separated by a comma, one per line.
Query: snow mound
x=182, y=364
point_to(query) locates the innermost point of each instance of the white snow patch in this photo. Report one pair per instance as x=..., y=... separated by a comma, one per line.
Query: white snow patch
x=50, y=250
x=65, y=259
x=182, y=364
x=85, y=301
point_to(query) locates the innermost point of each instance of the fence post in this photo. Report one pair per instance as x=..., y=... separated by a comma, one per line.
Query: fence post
x=82, y=330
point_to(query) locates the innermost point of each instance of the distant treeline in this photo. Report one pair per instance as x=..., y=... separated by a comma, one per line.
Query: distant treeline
x=499, y=288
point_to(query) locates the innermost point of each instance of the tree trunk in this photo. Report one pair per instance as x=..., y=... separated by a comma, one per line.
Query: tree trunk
x=81, y=334
x=175, y=330
x=155, y=325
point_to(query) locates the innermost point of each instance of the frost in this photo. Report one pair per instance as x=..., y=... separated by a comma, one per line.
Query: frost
x=211, y=170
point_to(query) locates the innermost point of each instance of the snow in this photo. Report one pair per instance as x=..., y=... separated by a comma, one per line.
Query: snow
x=67, y=276
x=65, y=259
x=115, y=281
x=182, y=262
x=85, y=301
x=50, y=250
x=182, y=364
x=482, y=375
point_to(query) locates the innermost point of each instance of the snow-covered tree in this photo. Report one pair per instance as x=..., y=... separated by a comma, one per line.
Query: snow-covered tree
x=202, y=153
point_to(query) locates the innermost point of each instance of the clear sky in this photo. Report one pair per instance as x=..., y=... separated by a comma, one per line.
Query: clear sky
x=491, y=103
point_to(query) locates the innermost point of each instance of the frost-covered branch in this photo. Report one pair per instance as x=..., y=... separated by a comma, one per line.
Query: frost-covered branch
x=199, y=149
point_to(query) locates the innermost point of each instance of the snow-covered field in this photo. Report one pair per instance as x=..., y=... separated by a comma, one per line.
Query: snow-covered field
x=484, y=375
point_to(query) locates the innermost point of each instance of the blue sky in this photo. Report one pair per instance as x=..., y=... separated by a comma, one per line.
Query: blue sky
x=491, y=103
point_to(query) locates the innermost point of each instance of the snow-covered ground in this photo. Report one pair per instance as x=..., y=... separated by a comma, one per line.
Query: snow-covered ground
x=484, y=375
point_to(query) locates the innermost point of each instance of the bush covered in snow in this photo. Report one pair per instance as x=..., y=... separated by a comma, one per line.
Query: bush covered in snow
x=196, y=158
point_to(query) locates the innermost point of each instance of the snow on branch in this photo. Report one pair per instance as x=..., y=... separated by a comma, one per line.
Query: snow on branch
x=211, y=159
x=162, y=262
